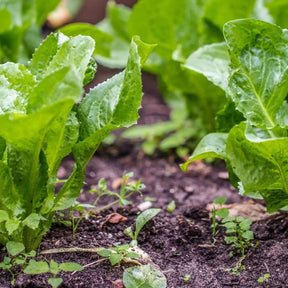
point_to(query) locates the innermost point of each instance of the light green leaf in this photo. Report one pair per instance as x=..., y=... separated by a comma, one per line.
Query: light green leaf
x=32, y=221
x=70, y=267
x=144, y=277
x=219, y=12
x=143, y=218
x=212, y=145
x=54, y=267
x=259, y=77
x=15, y=248
x=104, y=252
x=55, y=282
x=12, y=225
x=115, y=258
x=278, y=9
x=260, y=164
x=43, y=8
x=3, y=216
x=220, y=200
x=213, y=62
x=36, y=267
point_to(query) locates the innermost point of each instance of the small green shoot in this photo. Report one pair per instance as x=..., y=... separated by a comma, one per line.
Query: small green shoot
x=264, y=278
x=171, y=206
x=17, y=256
x=127, y=189
x=187, y=277
x=221, y=213
x=141, y=220
x=118, y=253
x=41, y=267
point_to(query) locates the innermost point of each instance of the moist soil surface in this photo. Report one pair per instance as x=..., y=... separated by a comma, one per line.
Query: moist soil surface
x=179, y=243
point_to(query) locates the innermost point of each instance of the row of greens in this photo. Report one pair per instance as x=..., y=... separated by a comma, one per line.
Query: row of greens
x=179, y=29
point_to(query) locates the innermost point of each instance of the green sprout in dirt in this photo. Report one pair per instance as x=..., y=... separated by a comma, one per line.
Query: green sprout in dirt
x=239, y=237
x=41, y=267
x=118, y=253
x=221, y=213
x=141, y=220
x=127, y=189
x=16, y=256
x=264, y=279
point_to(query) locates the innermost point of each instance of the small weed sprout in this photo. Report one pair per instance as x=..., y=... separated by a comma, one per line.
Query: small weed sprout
x=221, y=213
x=239, y=237
x=42, y=267
x=171, y=206
x=16, y=256
x=187, y=277
x=264, y=278
x=127, y=189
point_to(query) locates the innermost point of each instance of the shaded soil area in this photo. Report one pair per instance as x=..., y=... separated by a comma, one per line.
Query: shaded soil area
x=180, y=243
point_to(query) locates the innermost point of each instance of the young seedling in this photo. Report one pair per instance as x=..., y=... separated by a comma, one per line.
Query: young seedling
x=264, y=278
x=40, y=267
x=127, y=189
x=141, y=220
x=16, y=256
x=171, y=206
x=239, y=237
x=118, y=253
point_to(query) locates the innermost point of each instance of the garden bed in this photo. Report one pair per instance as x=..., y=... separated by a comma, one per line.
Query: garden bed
x=180, y=243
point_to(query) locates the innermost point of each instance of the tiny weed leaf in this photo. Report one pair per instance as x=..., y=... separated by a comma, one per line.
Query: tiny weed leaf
x=15, y=248
x=222, y=213
x=54, y=267
x=128, y=231
x=104, y=252
x=35, y=267
x=70, y=267
x=144, y=277
x=171, y=206
x=248, y=235
x=143, y=218
x=132, y=255
x=220, y=200
x=55, y=282
x=115, y=258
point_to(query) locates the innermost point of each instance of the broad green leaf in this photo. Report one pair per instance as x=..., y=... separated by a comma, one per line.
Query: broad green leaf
x=55, y=282
x=248, y=235
x=115, y=258
x=212, y=145
x=104, y=252
x=54, y=267
x=259, y=77
x=245, y=224
x=11, y=226
x=220, y=200
x=14, y=248
x=275, y=199
x=70, y=267
x=171, y=24
x=144, y=277
x=102, y=39
x=3, y=216
x=36, y=267
x=261, y=165
x=213, y=62
x=219, y=12
x=222, y=213
x=143, y=218
x=6, y=20
x=32, y=221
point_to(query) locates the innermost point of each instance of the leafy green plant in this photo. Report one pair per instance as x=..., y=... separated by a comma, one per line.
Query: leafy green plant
x=144, y=276
x=40, y=124
x=240, y=235
x=118, y=253
x=264, y=278
x=127, y=189
x=20, y=31
x=179, y=28
x=16, y=256
x=43, y=267
x=221, y=213
x=141, y=220
x=253, y=74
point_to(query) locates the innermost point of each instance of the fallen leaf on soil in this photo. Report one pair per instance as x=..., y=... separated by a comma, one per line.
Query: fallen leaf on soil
x=114, y=218
x=249, y=209
x=144, y=205
x=117, y=183
x=199, y=167
x=118, y=284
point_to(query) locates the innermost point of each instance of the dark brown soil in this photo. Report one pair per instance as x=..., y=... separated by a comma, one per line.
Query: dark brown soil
x=180, y=243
